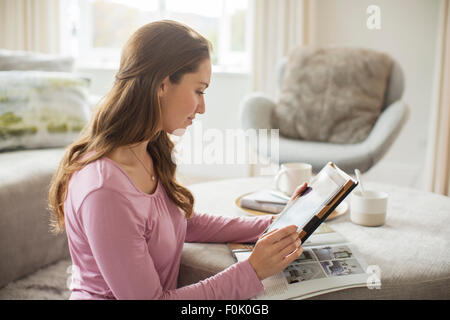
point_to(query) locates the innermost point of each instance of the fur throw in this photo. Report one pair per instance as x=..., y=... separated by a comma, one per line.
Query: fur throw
x=331, y=94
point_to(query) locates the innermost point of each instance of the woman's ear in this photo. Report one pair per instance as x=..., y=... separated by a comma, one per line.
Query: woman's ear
x=162, y=90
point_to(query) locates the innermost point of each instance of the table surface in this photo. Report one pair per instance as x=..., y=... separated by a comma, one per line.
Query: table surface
x=411, y=247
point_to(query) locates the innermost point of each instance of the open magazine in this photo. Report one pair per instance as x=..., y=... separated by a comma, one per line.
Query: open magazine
x=328, y=263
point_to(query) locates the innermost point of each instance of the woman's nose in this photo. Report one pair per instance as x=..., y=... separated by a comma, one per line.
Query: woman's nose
x=201, y=107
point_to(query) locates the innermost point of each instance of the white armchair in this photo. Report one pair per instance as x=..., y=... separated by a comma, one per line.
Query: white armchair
x=256, y=109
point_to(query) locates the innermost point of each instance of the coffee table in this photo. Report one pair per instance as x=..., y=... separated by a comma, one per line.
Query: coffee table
x=411, y=248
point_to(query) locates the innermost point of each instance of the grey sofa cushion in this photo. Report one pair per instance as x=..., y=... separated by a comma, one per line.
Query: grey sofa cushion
x=26, y=243
x=25, y=60
x=331, y=94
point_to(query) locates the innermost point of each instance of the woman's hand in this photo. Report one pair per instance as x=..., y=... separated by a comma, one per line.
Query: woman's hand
x=300, y=189
x=274, y=251
x=297, y=193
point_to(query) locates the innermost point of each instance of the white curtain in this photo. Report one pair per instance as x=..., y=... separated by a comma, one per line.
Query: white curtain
x=278, y=27
x=438, y=156
x=30, y=25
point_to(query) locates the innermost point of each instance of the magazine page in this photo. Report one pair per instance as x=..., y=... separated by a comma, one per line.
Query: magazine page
x=323, y=267
x=319, y=270
x=267, y=196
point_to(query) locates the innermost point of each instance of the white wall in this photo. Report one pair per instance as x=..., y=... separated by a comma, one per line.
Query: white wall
x=409, y=34
x=222, y=98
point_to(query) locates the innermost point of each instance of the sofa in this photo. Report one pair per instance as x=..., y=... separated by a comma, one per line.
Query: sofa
x=26, y=243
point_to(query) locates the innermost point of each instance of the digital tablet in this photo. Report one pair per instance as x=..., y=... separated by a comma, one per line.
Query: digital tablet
x=324, y=193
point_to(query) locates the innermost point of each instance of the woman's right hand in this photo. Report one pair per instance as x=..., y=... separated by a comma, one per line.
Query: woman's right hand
x=275, y=250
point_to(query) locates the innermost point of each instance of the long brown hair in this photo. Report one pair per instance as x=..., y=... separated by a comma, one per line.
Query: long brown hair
x=131, y=113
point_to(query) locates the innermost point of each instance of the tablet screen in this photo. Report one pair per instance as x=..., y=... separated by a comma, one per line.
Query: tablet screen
x=300, y=212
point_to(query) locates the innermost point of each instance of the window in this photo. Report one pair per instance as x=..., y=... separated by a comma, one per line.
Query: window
x=97, y=29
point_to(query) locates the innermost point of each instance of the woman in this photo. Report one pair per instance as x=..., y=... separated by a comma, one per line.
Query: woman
x=115, y=192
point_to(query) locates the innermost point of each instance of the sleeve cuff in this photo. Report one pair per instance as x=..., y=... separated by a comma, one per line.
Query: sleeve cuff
x=255, y=285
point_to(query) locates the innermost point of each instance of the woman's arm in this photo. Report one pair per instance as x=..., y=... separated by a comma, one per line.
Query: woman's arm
x=115, y=236
x=202, y=227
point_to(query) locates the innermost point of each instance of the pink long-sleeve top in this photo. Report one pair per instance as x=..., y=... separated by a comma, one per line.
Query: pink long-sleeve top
x=126, y=244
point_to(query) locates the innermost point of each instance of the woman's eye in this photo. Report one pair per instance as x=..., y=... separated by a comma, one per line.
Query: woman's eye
x=200, y=92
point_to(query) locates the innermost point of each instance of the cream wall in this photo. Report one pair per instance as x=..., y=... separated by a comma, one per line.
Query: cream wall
x=409, y=34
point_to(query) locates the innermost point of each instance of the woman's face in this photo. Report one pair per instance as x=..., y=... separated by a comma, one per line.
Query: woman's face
x=181, y=102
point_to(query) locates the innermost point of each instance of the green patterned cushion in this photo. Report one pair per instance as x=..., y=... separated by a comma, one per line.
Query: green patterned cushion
x=41, y=109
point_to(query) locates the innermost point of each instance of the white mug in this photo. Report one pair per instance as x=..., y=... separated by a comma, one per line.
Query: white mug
x=368, y=209
x=291, y=175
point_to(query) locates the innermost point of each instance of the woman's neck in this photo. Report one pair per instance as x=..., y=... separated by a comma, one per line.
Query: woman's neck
x=124, y=154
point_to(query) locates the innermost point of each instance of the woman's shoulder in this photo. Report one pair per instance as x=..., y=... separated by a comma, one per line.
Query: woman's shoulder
x=88, y=177
x=99, y=174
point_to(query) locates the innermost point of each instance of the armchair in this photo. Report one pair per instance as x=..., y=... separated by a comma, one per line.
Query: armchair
x=256, y=109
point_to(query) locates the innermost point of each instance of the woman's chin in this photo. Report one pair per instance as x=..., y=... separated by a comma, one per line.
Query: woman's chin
x=179, y=131
x=181, y=128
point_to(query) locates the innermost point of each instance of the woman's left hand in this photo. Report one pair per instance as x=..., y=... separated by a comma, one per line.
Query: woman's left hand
x=296, y=194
